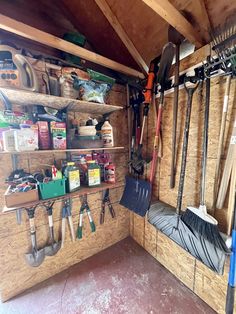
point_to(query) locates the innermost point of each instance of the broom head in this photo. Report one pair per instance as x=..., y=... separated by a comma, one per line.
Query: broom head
x=199, y=221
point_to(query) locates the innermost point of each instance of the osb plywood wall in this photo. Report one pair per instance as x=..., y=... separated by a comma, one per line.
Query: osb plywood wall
x=15, y=239
x=204, y=282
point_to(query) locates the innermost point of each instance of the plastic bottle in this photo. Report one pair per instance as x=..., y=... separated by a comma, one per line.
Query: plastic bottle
x=110, y=173
x=4, y=126
x=8, y=138
x=72, y=174
x=94, y=173
x=107, y=134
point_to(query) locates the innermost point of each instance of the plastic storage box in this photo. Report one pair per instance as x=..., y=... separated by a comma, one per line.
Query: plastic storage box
x=52, y=189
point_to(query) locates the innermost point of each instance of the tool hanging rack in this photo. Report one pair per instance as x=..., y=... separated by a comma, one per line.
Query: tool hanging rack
x=76, y=194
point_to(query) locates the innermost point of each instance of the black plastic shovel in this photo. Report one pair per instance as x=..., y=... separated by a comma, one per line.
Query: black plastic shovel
x=53, y=247
x=35, y=257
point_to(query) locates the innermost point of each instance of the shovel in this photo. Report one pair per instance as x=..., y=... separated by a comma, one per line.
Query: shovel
x=53, y=246
x=176, y=38
x=137, y=192
x=35, y=257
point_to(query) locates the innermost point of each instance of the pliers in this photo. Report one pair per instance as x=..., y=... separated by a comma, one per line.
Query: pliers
x=66, y=213
x=106, y=200
x=84, y=207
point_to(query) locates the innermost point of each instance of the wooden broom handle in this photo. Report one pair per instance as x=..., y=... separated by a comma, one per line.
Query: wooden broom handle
x=221, y=139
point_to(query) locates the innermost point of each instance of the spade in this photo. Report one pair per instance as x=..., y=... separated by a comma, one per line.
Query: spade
x=53, y=247
x=35, y=257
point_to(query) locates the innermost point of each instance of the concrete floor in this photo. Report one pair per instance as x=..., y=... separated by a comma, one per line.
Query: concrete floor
x=122, y=279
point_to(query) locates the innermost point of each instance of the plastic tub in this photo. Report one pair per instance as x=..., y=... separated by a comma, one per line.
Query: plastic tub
x=87, y=142
x=52, y=189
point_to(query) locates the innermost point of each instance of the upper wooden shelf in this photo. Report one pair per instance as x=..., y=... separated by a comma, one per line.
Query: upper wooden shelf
x=23, y=97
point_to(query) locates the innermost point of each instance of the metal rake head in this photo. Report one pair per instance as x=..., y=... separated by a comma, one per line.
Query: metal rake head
x=224, y=44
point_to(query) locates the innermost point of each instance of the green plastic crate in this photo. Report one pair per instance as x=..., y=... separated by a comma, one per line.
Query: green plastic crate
x=52, y=189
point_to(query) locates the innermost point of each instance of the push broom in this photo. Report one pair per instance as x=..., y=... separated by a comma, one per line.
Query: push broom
x=197, y=219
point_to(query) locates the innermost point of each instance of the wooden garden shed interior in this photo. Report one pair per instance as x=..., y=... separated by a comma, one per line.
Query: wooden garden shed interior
x=122, y=39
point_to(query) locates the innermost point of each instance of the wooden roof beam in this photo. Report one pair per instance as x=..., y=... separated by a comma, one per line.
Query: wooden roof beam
x=171, y=15
x=112, y=19
x=29, y=32
x=202, y=19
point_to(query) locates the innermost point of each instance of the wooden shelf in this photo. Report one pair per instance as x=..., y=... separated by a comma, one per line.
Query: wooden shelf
x=82, y=191
x=72, y=150
x=24, y=98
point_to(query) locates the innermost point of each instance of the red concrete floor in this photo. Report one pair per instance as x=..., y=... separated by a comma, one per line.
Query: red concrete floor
x=122, y=279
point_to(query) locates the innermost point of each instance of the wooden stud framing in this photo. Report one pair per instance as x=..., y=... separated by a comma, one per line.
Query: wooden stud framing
x=202, y=19
x=169, y=13
x=106, y=10
x=34, y=34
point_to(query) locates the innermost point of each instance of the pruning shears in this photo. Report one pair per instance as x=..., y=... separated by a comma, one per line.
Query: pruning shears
x=66, y=213
x=84, y=208
x=106, y=200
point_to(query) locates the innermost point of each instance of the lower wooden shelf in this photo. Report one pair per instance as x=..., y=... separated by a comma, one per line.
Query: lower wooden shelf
x=82, y=191
x=70, y=150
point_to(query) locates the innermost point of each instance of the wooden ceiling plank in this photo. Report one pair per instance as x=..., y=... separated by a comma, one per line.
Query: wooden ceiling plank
x=170, y=14
x=106, y=10
x=39, y=36
x=202, y=19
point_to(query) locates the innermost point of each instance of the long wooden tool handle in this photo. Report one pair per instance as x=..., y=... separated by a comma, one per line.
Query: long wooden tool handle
x=71, y=228
x=175, y=115
x=227, y=170
x=63, y=231
x=155, y=145
x=221, y=139
x=205, y=143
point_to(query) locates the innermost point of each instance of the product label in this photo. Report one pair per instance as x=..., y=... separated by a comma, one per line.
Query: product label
x=225, y=106
x=94, y=177
x=74, y=180
x=110, y=174
x=233, y=140
x=107, y=138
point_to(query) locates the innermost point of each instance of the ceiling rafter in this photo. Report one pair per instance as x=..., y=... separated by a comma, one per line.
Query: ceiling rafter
x=202, y=21
x=29, y=32
x=171, y=15
x=114, y=22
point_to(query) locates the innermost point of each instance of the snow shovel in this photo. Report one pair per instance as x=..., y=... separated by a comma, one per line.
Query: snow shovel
x=35, y=257
x=53, y=246
x=168, y=220
x=137, y=192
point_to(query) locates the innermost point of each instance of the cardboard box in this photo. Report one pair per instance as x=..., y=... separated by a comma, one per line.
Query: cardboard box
x=16, y=199
x=58, y=132
x=44, y=135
